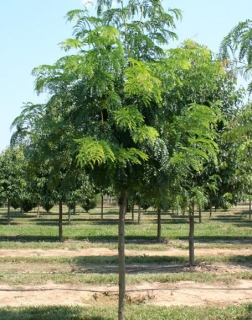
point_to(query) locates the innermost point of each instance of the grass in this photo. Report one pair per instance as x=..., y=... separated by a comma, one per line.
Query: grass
x=220, y=229
x=140, y=259
x=112, y=278
x=227, y=230
x=132, y=312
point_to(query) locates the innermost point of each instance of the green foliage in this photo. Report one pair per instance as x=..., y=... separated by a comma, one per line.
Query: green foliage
x=27, y=205
x=128, y=118
x=93, y=152
x=140, y=82
x=47, y=204
x=89, y=203
x=238, y=40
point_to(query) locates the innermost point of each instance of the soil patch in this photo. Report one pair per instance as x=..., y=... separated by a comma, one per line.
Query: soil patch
x=181, y=293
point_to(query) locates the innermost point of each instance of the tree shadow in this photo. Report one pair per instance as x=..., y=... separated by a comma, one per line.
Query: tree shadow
x=244, y=224
x=92, y=239
x=228, y=218
x=50, y=313
x=220, y=239
x=134, y=264
x=91, y=221
x=32, y=238
x=242, y=260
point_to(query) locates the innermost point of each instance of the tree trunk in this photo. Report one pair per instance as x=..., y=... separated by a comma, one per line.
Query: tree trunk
x=191, y=235
x=121, y=253
x=210, y=203
x=8, y=211
x=69, y=215
x=132, y=212
x=102, y=206
x=159, y=225
x=200, y=214
x=60, y=221
x=250, y=209
x=38, y=211
x=139, y=215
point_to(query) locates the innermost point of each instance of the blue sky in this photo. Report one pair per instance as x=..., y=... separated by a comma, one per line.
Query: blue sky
x=30, y=31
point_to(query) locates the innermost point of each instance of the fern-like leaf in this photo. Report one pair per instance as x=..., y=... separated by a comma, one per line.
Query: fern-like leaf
x=93, y=152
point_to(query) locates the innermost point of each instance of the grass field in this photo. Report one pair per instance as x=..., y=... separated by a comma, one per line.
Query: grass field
x=31, y=255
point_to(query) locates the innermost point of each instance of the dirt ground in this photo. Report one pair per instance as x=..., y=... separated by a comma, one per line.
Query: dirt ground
x=163, y=294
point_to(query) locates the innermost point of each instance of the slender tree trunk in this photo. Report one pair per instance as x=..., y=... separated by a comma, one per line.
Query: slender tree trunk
x=210, y=203
x=139, y=214
x=132, y=212
x=69, y=215
x=250, y=209
x=121, y=253
x=60, y=221
x=102, y=201
x=159, y=225
x=191, y=235
x=38, y=211
x=200, y=214
x=74, y=209
x=8, y=211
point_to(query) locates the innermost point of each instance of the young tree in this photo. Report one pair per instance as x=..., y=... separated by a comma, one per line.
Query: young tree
x=105, y=91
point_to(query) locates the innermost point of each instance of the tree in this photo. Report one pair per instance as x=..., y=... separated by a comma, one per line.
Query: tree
x=103, y=93
x=110, y=84
x=198, y=105
x=239, y=136
x=238, y=41
x=12, y=177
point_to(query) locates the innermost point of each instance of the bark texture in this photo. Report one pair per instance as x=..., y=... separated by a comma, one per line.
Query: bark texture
x=121, y=253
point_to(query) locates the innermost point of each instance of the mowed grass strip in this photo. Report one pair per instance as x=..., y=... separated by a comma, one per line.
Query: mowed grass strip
x=132, y=312
x=140, y=259
x=112, y=278
x=219, y=229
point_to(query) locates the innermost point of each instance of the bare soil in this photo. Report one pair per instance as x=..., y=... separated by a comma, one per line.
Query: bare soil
x=163, y=294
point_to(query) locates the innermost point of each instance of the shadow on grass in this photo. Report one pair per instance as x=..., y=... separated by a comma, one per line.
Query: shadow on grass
x=244, y=224
x=30, y=239
x=130, y=259
x=242, y=260
x=220, y=239
x=51, y=313
x=229, y=218
x=114, y=239
x=92, y=239
x=134, y=264
x=91, y=221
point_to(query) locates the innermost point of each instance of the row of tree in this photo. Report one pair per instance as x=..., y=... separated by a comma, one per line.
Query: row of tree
x=162, y=126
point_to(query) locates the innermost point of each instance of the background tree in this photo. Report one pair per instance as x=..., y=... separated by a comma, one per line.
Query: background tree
x=12, y=177
x=236, y=47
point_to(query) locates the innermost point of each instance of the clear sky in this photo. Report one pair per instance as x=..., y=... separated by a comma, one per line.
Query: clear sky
x=30, y=31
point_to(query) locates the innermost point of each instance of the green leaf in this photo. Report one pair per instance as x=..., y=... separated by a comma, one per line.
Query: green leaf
x=130, y=155
x=144, y=133
x=140, y=82
x=93, y=152
x=128, y=118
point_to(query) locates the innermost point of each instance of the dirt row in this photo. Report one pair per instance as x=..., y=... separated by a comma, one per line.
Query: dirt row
x=163, y=294
x=181, y=293
x=108, y=252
